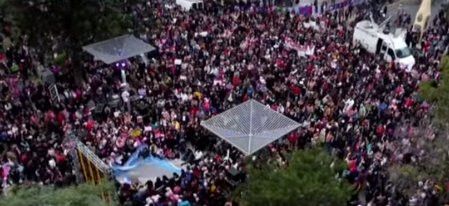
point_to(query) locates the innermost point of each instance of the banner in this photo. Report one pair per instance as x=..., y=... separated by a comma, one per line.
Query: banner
x=302, y=50
x=310, y=10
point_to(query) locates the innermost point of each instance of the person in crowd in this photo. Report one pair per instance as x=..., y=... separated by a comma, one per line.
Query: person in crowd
x=361, y=108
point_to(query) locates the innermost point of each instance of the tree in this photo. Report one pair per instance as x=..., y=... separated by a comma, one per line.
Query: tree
x=64, y=26
x=81, y=195
x=431, y=167
x=309, y=180
x=67, y=23
x=429, y=145
x=431, y=91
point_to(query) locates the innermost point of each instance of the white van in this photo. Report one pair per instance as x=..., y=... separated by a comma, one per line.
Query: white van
x=390, y=47
x=189, y=4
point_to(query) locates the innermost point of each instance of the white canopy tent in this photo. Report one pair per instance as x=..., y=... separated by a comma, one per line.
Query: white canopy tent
x=250, y=126
x=118, y=48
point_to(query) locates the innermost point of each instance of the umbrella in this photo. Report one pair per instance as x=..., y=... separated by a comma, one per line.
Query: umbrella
x=14, y=68
x=136, y=133
x=383, y=107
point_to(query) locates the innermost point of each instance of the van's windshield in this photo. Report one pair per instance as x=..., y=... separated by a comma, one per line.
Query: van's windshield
x=402, y=53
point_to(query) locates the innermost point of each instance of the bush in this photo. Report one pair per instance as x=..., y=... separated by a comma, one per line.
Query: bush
x=60, y=59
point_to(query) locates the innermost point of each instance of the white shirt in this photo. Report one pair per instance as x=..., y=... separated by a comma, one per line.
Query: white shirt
x=125, y=96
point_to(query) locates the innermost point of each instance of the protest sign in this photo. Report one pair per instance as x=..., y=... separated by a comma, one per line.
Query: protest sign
x=311, y=24
x=303, y=50
x=54, y=93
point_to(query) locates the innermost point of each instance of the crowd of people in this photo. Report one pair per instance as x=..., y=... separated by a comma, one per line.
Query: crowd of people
x=307, y=68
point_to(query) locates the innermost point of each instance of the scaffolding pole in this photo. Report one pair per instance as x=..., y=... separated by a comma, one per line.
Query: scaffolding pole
x=89, y=166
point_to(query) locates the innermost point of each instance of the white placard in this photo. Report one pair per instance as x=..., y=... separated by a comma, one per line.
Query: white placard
x=54, y=94
x=218, y=82
x=302, y=50
x=311, y=24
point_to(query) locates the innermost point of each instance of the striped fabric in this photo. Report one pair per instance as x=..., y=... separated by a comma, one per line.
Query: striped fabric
x=312, y=10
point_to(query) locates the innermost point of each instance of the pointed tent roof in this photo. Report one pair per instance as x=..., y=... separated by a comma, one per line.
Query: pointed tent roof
x=118, y=48
x=250, y=126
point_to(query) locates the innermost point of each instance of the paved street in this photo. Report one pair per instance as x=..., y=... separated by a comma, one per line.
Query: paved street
x=410, y=7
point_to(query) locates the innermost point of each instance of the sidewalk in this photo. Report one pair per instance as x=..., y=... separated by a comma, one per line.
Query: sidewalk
x=390, y=7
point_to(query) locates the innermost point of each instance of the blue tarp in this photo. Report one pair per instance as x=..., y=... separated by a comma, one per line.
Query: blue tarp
x=134, y=162
x=383, y=107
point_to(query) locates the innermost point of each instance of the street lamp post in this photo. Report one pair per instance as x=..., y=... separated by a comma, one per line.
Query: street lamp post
x=125, y=94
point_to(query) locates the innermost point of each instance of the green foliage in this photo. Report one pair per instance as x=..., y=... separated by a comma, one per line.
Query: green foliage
x=436, y=93
x=429, y=90
x=67, y=24
x=433, y=164
x=309, y=180
x=60, y=59
x=81, y=195
x=405, y=178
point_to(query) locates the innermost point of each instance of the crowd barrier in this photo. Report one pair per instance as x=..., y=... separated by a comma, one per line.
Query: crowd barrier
x=319, y=9
x=92, y=168
x=91, y=172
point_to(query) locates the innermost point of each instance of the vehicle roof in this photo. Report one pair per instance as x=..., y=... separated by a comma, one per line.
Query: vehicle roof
x=367, y=25
x=373, y=28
